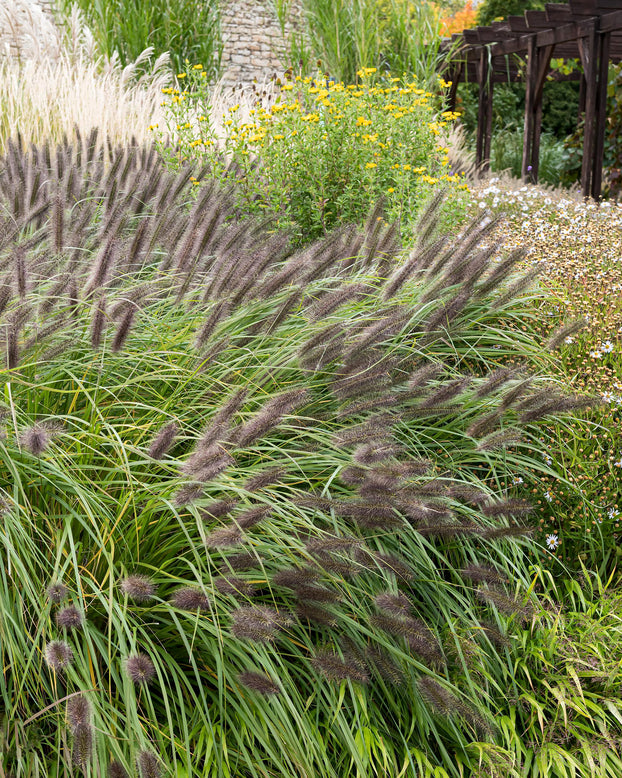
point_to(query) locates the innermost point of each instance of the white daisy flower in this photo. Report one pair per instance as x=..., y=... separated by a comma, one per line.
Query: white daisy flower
x=552, y=541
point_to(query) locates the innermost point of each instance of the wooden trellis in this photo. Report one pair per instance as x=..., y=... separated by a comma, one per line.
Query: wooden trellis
x=522, y=47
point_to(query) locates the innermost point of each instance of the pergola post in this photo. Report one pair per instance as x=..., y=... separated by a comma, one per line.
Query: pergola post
x=588, y=49
x=529, y=105
x=455, y=75
x=538, y=63
x=601, y=115
x=484, y=111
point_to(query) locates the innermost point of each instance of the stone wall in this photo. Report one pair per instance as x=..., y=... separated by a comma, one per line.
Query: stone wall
x=253, y=43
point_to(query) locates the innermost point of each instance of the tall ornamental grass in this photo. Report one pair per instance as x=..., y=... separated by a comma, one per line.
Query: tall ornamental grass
x=393, y=35
x=65, y=84
x=125, y=28
x=253, y=521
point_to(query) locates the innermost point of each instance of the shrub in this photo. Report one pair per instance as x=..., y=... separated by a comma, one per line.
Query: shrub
x=321, y=153
x=507, y=154
x=267, y=482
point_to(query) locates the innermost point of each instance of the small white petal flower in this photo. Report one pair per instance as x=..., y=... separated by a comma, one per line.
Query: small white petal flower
x=552, y=541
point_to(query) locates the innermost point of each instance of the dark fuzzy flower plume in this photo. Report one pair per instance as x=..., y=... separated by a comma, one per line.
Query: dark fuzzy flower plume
x=206, y=463
x=138, y=587
x=260, y=623
x=382, y=664
x=437, y=697
x=57, y=592
x=349, y=668
x=224, y=537
x=242, y=561
x=189, y=494
x=148, y=765
x=483, y=573
x=140, y=669
x=188, y=598
x=505, y=604
x=259, y=682
x=69, y=618
x=389, y=562
x=36, y=439
x=234, y=586
x=296, y=577
x=512, y=507
x=82, y=749
x=270, y=416
x=163, y=441
x=315, y=614
x=58, y=655
x=271, y=475
x=252, y=516
x=395, y=604
x=78, y=712
x=116, y=770
x=417, y=634
x=217, y=509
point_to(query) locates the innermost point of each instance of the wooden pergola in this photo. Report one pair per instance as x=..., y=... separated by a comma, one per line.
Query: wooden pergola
x=522, y=47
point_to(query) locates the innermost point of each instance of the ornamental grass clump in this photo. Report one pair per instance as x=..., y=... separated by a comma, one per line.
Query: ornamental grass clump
x=316, y=152
x=326, y=534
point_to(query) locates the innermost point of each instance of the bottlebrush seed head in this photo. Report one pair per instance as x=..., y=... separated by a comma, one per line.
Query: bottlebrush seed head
x=138, y=587
x=334, y=668
x=242, y=561
x=58, y=655
x=148, y=765
x=189, y=598
x=82, y=749
x=224, y=537
x=217, y=509
x=163, y=441
x=36, y=439
x=57, y=592
x=78, y=711
x=140, y=669
x=69, y=618
x=116, y=770
x=311, y=612
x=395, y=604
x=259, y=682
x=234, y=586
